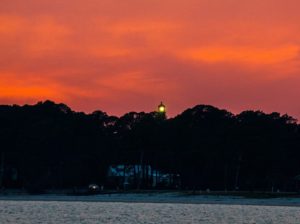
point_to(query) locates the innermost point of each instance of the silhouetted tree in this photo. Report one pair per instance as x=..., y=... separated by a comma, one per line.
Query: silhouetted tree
x=48, y=145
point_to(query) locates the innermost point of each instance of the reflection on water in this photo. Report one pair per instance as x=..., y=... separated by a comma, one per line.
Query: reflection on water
x=30, y=212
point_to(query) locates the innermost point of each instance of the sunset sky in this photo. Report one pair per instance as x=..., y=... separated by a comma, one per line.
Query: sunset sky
x=128, y=55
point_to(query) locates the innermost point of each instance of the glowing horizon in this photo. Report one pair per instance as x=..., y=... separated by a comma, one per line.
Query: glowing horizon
x=130, y=55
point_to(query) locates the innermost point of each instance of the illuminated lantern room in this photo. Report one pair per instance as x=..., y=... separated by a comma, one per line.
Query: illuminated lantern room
x=161, y=108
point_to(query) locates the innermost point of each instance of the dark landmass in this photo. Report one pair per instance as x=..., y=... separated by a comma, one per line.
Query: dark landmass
x=49, y=146
x=177, y=197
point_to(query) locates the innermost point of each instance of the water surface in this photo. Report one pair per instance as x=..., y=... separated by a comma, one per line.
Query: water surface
x=30, y=212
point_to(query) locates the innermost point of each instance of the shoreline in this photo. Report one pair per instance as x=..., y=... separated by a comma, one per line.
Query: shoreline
x=168, y=198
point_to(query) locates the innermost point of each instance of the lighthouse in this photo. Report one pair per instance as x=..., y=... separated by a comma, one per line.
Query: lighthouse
x=161, y=108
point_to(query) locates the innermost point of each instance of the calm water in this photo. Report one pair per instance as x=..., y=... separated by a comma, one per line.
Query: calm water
x=131, y=213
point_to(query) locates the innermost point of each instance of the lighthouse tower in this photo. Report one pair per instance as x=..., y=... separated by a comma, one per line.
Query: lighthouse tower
x=161, y=109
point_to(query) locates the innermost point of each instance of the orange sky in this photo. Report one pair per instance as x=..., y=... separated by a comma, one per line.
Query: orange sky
x=128, y=55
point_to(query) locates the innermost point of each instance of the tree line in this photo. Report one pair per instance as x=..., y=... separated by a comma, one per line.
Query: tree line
x=50, y=146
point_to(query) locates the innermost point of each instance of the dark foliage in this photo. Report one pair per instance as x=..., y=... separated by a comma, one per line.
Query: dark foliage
x=48, y=145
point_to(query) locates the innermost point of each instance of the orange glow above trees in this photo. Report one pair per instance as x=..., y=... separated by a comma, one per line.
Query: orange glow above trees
x=120, y=56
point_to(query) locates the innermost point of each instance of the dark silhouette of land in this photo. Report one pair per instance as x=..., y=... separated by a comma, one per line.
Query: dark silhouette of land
x=49, y=146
